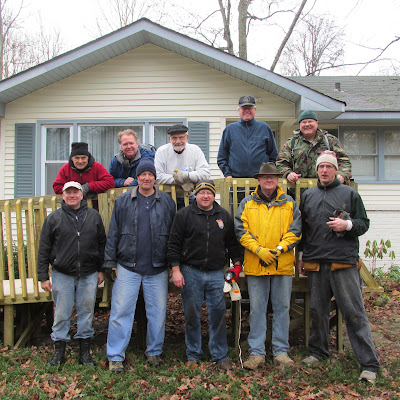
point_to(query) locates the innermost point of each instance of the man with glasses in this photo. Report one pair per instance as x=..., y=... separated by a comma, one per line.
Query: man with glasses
x=268, y=225
x=246, y=144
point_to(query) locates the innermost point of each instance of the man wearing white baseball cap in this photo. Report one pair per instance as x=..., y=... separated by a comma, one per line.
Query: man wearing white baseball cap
x=72, y=241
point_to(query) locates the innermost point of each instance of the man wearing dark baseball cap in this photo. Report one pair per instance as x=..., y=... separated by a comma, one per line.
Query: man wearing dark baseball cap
x=246, y=144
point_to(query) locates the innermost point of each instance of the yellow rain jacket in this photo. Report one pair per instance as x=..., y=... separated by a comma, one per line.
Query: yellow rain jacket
x=258, y=223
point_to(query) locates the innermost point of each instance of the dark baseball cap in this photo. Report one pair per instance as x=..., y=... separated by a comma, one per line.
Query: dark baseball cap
x=247, y=101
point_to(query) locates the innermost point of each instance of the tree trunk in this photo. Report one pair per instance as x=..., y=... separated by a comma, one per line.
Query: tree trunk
x=286, y=38
x=226, y=18
x=242, y=27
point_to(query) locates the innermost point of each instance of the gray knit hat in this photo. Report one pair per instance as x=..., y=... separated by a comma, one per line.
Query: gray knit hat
x=146, y=165
x=327, y=156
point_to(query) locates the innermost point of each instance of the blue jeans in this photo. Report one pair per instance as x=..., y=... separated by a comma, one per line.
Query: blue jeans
x=68, y=290
x=123, y=304
x=204, y=286
x=260, y=288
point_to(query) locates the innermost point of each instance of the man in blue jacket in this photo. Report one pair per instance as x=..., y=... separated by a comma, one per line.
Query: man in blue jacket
x=137, y=248
x=123, y=165
x=246, y=144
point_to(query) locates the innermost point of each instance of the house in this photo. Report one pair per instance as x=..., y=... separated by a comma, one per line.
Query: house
x=147, y=77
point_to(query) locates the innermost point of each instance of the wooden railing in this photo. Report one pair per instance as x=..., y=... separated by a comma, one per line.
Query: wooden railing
x=22, y=219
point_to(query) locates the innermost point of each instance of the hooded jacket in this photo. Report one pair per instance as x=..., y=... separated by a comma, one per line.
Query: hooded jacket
x=258, y=223
x=72, y=243
x=121, y=168
x=320, y=243
x=244, y=146
x=94, y=174
x=203, y=240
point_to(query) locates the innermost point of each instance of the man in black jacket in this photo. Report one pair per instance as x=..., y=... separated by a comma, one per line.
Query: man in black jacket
x=333, y=217
x=72, y=241
x=201, y=241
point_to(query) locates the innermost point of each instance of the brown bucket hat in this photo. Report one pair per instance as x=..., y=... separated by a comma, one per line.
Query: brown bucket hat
x=268, y=168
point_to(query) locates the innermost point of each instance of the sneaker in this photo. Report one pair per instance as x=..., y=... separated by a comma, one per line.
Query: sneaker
x=284, y=360
x=253, y=362
x=368, y=376
x=116, y=367
x=225, y=365
x=310, y=360
x=154, y=361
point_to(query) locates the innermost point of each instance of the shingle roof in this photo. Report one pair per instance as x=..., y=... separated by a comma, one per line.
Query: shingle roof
x=360, y=93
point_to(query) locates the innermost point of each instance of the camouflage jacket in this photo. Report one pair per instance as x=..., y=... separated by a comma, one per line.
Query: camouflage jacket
x=306, y=154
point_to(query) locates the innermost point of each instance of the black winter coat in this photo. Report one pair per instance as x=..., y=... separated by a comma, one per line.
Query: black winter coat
x=73, y=245
x=203, y=241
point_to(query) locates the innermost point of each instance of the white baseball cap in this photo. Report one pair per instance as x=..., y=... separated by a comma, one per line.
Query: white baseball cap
x=76, y=185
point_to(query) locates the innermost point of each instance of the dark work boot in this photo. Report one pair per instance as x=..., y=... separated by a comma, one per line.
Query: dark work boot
x=84, y=355
x=59, y=353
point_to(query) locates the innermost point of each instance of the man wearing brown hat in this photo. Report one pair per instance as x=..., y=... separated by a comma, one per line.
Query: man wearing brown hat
x=180, y=162
x=333, y=218
x=201, y=242
x=299, y=154
x=268, y=225
x=246, y=144
x=83, y=168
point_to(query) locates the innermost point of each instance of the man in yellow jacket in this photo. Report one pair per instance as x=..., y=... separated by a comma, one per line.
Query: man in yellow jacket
x=268, y=225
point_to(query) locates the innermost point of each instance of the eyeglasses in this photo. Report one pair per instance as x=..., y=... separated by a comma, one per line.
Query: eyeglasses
x=175, y=138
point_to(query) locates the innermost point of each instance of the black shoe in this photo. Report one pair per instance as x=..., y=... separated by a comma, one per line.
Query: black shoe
x=84, y=355
x=154, y=361
x=59, y=353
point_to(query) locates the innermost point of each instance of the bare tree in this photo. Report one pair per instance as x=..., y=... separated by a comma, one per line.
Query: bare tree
x=226, y=19
x=115, y=14
x=242, y=27
x=318, y=44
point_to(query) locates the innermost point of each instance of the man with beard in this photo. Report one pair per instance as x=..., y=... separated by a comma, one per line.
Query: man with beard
x=179, y=162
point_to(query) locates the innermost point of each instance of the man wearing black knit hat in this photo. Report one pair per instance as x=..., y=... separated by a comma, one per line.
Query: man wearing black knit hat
x=201, y=241
x=83, y=168
x=136, y=249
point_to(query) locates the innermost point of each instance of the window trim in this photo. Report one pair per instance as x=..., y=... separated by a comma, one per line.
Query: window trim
x=380, y=152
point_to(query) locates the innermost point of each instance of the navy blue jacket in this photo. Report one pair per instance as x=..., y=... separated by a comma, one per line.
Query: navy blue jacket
x=244, y=146
x=121, y=242
x=120, y=168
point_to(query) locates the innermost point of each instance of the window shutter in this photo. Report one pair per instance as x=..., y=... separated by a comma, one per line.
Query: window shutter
x=24, y=178
x=199, y=134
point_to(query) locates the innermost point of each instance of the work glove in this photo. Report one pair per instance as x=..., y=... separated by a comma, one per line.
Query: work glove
x=85, y=190
x=110, y=274
x=188, y=187
x=233, y=273
x=181, y=176
x=267, y=255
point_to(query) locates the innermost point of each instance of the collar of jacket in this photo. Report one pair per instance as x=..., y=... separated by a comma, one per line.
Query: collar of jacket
x=279, y=199
x=135, y=189
x=320, y=132
x=248, y=123
x=88, y=166
x=197, y=210
x=331, y=185
x=69, y=209
x=123, y=160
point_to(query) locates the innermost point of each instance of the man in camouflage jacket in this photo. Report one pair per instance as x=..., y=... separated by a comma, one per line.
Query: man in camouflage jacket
x=298, y=159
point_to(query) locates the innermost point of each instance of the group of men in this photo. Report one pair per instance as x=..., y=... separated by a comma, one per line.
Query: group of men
x=147, y=240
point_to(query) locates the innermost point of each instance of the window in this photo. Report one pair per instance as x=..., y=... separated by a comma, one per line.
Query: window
x=102, y=141
x=374, y=152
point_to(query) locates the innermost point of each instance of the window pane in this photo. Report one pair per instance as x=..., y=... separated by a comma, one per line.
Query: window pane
x=361, y=145
x=392, y=142
x=160, y=135
x=359, y=141
x=103, y=142
x=392, y=167
x=57, y=144
x=51, y=171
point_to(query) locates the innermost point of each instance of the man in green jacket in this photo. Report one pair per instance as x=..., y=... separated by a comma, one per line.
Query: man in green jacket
x=299, y=154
